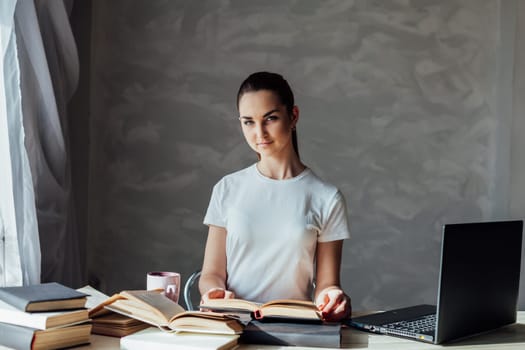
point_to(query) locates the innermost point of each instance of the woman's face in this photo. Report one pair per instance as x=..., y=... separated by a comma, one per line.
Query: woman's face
x=266, y=124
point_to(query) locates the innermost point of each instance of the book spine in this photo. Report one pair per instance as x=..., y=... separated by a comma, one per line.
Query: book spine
x=16, y=337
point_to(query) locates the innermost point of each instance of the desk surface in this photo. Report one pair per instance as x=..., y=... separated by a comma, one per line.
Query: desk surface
x=509, y=338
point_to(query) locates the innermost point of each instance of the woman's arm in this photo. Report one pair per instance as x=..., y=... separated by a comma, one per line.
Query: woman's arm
x=329, y=297
x=212, y=283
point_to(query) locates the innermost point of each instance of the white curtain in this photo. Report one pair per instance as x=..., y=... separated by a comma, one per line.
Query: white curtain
x=47, y=60
x=20, y=250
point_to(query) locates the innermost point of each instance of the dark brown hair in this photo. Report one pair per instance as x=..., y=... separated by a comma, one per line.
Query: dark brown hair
x=278, y=85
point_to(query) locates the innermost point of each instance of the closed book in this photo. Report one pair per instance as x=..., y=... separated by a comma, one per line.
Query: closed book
x=43, y=297
x=326, y=335
x=116, y=325
x=22, y=338
x=41, y=320
x=153, y=338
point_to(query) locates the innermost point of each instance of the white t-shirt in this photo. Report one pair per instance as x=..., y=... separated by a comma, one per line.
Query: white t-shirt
x=273, y=227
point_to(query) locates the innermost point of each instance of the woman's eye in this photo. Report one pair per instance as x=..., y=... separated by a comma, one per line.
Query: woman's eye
x=272, y=117
x=247, y=122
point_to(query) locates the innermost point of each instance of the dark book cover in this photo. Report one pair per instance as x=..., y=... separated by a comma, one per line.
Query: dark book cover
x=326, y=335
x=22, y=297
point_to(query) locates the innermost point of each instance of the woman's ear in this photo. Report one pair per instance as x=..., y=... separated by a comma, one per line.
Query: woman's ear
x=295, y=116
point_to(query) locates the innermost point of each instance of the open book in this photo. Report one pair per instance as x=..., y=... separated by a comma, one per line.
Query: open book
x=156, y=309
x=301, y=310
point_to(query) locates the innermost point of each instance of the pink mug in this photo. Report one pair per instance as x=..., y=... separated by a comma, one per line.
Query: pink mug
x=169, y=281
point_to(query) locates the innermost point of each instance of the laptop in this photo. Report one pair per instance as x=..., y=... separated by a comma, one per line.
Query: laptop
x=478, y=287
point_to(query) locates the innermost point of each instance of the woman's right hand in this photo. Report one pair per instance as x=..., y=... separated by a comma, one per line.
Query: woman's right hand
x=217, y=293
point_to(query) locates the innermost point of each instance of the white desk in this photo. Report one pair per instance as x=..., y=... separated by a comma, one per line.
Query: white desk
x=511, y=337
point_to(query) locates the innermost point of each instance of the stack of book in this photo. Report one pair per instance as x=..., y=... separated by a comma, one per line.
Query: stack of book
x=285, y=322
x=226, y=322
x=43, y=316
x=173, y=327
x=155, y=309
x=106, y=322
x=281, y=322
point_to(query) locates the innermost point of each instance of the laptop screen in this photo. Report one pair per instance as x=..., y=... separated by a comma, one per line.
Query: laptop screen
x=479, y=278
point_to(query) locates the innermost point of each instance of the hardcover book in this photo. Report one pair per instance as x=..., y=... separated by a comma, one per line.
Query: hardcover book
x=21, y=338
x=43, y=297
x=152, y=338
x=41, y=320
x=326, y=335
x=116, y=325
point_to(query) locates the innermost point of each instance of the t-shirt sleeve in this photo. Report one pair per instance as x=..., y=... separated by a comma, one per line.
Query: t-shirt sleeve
x=335, y=226
x=215, y=212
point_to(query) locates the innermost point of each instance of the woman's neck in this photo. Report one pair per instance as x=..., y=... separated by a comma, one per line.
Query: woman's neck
x=280, y=170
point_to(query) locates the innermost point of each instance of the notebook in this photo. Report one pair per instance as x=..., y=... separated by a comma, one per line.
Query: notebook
x=478, y=287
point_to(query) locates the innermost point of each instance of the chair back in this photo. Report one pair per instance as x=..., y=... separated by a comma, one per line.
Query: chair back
x=194, y=277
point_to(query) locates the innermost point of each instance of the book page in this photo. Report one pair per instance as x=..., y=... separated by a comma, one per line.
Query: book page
x=238, y=305
x=206, y=322
x=154, y=300
x=94, y=296
x=130, y=309
x=291, y=303
x=96, y=300
x=289, y=308
x=205, y=315
x=288, y=311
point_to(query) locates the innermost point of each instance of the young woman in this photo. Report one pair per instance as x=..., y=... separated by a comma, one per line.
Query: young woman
x=274, y=227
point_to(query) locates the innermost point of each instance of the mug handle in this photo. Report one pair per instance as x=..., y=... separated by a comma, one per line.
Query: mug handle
x=172, y=292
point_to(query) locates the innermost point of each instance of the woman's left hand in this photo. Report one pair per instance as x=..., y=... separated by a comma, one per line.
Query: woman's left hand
x=334, y=304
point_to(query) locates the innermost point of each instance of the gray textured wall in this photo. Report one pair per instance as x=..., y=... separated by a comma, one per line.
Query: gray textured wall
x=399, y=109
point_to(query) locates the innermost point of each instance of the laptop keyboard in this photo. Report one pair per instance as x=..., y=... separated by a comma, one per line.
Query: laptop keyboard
x=425, y=324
